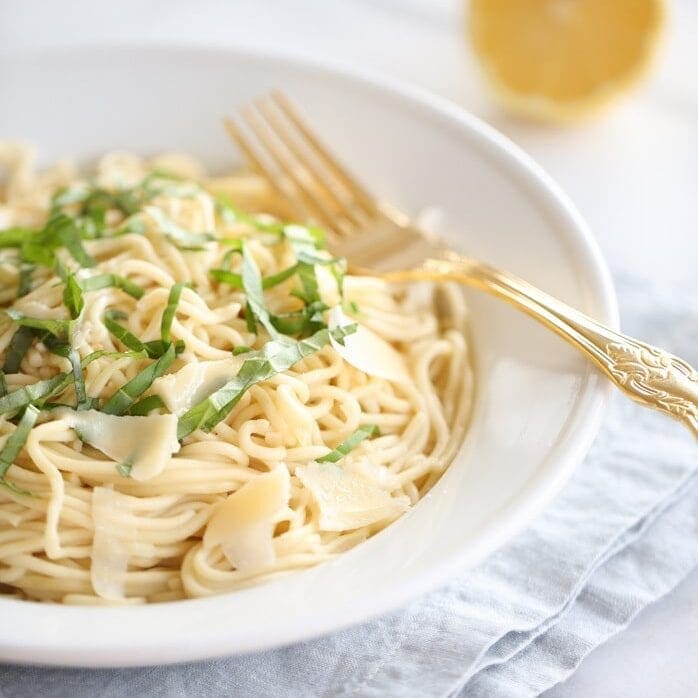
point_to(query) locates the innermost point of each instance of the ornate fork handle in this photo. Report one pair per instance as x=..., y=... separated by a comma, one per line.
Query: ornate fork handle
x=647, y=374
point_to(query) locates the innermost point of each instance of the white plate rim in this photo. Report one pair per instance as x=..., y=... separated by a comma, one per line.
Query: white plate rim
x=582, y=425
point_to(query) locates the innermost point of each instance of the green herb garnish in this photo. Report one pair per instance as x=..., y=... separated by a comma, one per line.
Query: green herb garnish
x=14, y=444
x=78, y=379
x=181, y=238
x=72, y=297
x=252, y=283
x=99, y=281
x=350, y=443
x=25, y=279
x=60, y=231
x=14, y=237
x=275, y=357
x=146, y=405
x=19, y=344
x=169, y=313
x=58, y=328
x=224, y=276
x=124, y=397
x=28, y=394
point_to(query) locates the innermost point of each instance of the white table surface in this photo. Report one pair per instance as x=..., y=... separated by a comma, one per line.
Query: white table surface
x=633, y=174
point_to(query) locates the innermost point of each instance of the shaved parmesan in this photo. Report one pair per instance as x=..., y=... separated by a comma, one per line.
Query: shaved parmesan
x=109, y=552
x=243, y=525
x=368, y=352
x=346, y=500
x=143, y=443
x=194, y=383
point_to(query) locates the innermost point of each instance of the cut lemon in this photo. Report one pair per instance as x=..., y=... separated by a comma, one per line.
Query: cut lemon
x=560, y=60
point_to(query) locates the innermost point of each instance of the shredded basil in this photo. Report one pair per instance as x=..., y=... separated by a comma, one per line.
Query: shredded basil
x=72, y=297
x=105, y=353
x=226, y=277
x=146, y=405
x=231, y=214
x=99, y=281
x=350, y=443
x=60, y=231
x=78, y=379
x=16, y=351
x=234, y=280
x=170, y=309
x=252, y=283
x=127, y=338
x=28, y=394
x=124, y=397
x=14, y=237
x=58, y=328
x=181, y=238
x=25, y=279
x=14, y=444
x=275, y=357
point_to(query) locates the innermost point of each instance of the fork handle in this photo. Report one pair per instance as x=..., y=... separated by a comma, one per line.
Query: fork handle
x=649, y=375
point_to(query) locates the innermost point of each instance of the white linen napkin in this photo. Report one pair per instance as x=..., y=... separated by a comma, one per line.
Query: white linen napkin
x=623, y=532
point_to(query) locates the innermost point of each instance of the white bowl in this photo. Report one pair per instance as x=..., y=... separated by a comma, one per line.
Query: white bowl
x=538, y=403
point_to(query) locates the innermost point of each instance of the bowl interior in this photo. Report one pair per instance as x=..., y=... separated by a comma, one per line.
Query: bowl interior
x=537, y=402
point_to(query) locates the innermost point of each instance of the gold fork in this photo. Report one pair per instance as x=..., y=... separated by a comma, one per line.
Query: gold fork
x=379, y=240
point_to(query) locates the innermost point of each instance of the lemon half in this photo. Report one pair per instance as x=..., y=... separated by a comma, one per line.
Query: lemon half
x=561, y=60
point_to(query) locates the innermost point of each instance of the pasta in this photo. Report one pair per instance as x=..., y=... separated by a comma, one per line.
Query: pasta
x=195, y=396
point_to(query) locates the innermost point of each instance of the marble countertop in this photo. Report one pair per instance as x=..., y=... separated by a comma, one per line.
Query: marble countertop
x=633, y=175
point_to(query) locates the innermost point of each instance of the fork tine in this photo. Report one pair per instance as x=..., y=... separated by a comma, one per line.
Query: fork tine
x=293, y=170
x=337, y=170
x=272, y=176
x=294, y=141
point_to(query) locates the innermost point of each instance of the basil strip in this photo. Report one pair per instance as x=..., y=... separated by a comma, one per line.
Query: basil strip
x=60, y=231
x=235, y=280
x=154, y=349
x=120, y=332
x=72, y=297
x=14, y=237
x=15, y=443
x=275, y=357
x=181, y=238
x=231, y=214
x=78, y=379
x=25, y=279
x=350, y=443
x=170, y=310
x=100, y=281
x=145, y=406
x=278, y=278
x=19, y=344
x=58, y=328
x=41, y=390
x=101, y=353
x=123, y=398
x=3, y=383
x=252, y=283
x=306, y=321
x=226, y=277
